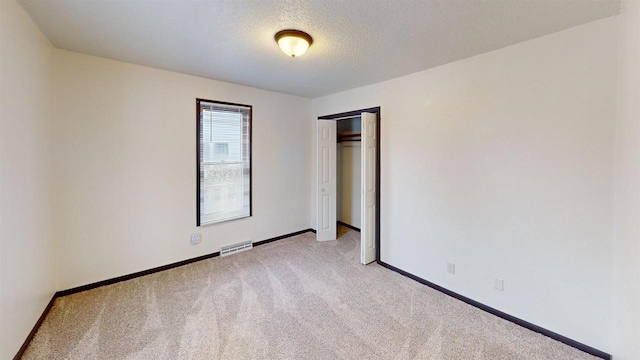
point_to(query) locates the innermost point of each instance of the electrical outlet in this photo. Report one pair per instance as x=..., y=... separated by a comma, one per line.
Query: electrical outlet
x=498, y=284
x=195, y=239
x=451, y=268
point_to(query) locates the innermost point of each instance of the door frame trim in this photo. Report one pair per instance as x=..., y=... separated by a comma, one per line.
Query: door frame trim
x=347, y=114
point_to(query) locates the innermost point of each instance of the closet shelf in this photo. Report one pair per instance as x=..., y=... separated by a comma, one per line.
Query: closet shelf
x=349, y=137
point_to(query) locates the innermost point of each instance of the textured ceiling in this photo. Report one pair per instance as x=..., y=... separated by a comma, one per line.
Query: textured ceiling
x=356, y=43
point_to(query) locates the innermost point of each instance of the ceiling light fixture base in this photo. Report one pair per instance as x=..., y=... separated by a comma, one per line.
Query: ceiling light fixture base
x=293, y=42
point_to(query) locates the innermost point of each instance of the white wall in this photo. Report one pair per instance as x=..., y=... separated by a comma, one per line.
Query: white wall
x=503, y=164
x=27, y=261
x=625, y=330
x=349, y=183
x=125, y=174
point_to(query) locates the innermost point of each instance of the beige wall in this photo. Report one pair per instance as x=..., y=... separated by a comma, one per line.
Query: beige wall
x=625, y=331
x=503, y=163
x=125, y=164
x=27, y=261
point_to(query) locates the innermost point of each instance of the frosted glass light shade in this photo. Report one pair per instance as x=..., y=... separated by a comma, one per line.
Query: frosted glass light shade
x=293, y=42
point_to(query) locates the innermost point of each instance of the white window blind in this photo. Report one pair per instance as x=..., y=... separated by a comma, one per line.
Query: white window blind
x=224, y=161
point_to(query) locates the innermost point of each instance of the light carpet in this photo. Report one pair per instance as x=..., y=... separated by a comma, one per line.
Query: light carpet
x=291, y=299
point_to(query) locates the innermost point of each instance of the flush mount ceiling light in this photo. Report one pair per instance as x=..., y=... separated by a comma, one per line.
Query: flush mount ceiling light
x=293, y=42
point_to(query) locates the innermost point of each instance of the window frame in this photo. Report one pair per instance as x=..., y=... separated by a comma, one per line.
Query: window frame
x=199, y=160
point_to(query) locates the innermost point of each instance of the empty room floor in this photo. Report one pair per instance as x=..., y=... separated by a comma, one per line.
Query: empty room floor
x=291, y=299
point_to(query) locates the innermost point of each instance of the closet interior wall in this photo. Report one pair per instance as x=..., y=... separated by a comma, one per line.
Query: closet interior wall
x=348, y=171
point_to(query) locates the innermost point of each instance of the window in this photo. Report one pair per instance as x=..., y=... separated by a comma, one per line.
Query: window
x=221, y=148
x=224, y=161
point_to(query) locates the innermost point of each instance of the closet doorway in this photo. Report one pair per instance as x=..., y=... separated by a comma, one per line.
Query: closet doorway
x=348, y=189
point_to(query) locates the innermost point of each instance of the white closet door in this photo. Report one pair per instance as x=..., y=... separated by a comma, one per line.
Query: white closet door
x=368, y=178
x=326, y=191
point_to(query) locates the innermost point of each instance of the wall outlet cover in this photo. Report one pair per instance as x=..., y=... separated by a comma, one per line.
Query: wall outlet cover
x=195, y=239
x=498, y=284
x=451, y=268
